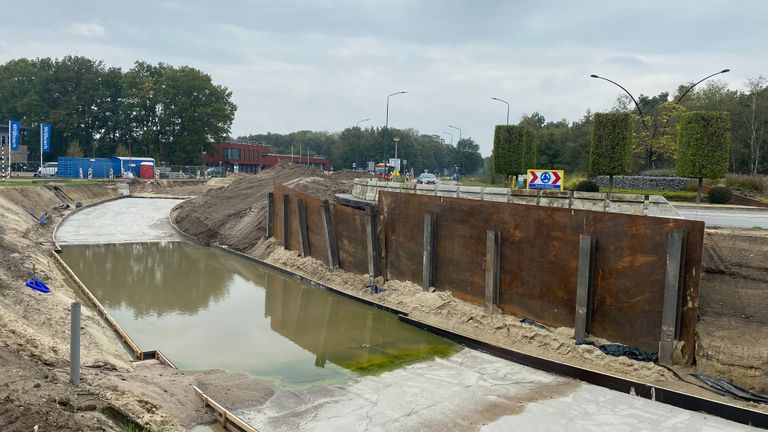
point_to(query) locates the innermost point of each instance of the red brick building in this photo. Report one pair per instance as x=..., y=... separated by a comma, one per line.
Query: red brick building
x=254, y=157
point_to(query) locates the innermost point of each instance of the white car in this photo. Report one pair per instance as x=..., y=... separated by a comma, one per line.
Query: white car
x=48, y=170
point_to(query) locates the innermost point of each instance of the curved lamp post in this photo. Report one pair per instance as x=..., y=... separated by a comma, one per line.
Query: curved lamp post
x=699, y=82
x=363, y=120
x=642, y=117
x=386, y=124
x=503, y=101
x=458, y=129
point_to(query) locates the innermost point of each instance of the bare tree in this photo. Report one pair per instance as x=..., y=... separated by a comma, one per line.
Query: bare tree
x=755, y=119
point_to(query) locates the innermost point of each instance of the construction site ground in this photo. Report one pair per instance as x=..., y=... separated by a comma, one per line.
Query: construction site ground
x=34, y=352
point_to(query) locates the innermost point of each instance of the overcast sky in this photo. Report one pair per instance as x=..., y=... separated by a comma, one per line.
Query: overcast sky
x=324, y=65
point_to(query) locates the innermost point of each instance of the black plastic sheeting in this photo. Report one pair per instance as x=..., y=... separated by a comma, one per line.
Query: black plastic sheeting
x=533, y=323
x=620, y=350
x=727, y=388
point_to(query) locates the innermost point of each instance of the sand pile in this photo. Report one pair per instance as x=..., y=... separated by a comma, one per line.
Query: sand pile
x=236, y=215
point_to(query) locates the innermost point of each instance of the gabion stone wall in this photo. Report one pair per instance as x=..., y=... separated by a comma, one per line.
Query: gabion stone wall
x=644, y=182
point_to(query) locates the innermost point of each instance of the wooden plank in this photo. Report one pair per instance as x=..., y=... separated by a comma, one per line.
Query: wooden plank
x=301, y=212
x=672, y=283
x=584, y=287
x=225, y=416
x=492, y=268
x=286, y=221
x=428, y=265
x=331, y=245
x=270, y=214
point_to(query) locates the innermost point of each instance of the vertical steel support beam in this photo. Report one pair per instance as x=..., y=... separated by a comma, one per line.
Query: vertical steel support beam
x=286, y=221
x=428, y=264
x=270, y=214
x=373, y=246
x=301, y=211
x=584, y=287
x=331, y=247
x=74, y=347
x=670, y=313
x=492, y=268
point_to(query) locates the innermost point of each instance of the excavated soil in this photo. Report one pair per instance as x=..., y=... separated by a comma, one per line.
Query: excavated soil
x=734, y=294
x=236, y=215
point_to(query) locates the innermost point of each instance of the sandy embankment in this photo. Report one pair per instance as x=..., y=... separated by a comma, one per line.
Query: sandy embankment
x=235, y=217
x=34, y=336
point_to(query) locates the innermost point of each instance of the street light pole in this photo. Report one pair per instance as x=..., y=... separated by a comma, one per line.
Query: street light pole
x=386, y=124
x=642, y=117
x=396, y=140
x=699, y=82
x=363, y=120
x=503, y=101
x=457, y=128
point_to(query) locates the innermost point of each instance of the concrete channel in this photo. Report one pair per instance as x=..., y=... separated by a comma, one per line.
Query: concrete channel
x=315, y=350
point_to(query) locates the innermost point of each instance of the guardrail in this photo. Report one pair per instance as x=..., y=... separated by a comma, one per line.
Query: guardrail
x=648, y=205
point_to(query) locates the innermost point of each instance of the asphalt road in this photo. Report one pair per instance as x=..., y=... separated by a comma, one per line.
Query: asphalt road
x=737, y=217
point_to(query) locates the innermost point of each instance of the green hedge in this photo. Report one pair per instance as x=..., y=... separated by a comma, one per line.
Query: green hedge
x=509, y=149
x=611, y=152
x=703, y=143
x=530, y=147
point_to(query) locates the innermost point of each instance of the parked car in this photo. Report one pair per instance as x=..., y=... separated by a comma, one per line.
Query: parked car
x=426, y=178
x=22, y=167
x=48, y=170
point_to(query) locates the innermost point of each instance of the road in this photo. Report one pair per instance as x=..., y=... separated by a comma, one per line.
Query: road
x=736, y=217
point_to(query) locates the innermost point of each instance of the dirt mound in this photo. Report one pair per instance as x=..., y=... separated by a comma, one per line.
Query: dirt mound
x=236, y=215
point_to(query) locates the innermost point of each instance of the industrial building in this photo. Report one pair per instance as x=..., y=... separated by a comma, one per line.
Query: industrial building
x=254, y=157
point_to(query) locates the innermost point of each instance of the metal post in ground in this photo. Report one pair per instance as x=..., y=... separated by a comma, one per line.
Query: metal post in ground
x=584, y=286
x=74, y=349
x=428, y=262
x=492, y=270
x=670, y=312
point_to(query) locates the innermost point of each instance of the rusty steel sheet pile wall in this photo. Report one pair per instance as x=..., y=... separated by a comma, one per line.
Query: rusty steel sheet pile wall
x=350, y=237
x=349, y=225
x=315, y=227
x=539, y=262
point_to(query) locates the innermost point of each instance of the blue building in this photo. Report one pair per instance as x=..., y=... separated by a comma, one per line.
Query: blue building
x=70, y=167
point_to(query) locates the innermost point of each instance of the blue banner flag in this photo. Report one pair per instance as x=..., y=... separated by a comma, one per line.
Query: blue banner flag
x=45, y=137
x=14, y=132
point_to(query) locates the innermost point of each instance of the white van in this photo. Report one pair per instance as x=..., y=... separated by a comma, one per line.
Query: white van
x=48, y=170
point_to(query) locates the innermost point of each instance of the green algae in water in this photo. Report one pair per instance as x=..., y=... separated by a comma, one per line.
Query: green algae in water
x=376, y=364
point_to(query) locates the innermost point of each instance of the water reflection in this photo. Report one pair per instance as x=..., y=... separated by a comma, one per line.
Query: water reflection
x=209, y=309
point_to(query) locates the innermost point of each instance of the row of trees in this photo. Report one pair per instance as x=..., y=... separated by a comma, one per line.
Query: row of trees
x=358, y=146
x=166, y=112
x=565, y=145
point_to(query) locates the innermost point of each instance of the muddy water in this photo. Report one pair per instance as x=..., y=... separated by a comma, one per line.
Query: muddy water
x=205, y=309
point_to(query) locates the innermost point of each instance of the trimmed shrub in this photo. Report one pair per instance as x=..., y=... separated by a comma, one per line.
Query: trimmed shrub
x=611, y=152
x=703, y=143
x=530, y=146
x=719, y=195
x=508, y=149
x=587, y=186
